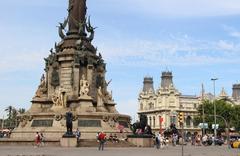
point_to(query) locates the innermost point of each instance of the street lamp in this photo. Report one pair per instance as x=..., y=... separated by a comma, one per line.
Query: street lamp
x=2, y=126
x=203, y=115
x=214, y=105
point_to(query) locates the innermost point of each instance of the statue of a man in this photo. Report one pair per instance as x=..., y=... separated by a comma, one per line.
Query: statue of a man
x=69, y=119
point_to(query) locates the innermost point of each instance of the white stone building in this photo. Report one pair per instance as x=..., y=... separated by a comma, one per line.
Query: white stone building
x=165, y=103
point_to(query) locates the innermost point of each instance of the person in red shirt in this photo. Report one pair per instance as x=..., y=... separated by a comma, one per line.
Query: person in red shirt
x=102, y=139
x=37, y=139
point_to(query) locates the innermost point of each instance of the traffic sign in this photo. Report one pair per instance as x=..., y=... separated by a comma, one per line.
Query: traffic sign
x=203, y=125
x=213, y=126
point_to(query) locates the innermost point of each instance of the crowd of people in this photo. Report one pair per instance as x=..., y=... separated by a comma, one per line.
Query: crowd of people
x=162, y=140
x=5, y=133
x=102, y=138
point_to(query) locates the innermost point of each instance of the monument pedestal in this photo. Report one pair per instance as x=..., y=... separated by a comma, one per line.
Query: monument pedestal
x=101, y=109
x=73, y=79
x=68, y=141
x=86, y=104
x=141, y=141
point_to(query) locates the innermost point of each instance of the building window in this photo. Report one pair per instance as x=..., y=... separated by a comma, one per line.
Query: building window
x=188, y=121
x=173, y=119
x=154, y=122
x=195, y=105
x=195, y=123
x=151, y=106
x=141, y=106
x=150, y=121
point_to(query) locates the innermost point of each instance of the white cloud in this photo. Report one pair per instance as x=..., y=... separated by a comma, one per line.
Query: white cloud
x=164, y=8
x=177, y=8
x=132, y=106
x=233, y=32
x=225, y=45
x=178, y=50
x=34, y=3
x=22, y=60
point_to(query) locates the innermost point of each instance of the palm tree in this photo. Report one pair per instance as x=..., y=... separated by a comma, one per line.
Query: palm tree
x=21, y=110
x=9, y=111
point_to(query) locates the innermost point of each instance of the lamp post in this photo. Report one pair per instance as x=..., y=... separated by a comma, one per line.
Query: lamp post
x=214, y=105
x=203, y=115
x=2, y=123
x=2, y=126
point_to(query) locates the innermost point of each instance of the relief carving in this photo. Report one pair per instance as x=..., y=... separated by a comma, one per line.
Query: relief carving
x=60, y=98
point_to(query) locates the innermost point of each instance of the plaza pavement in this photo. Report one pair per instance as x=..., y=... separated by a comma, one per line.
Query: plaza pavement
x=170, y=151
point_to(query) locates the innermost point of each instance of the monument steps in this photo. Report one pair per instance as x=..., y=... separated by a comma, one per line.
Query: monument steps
x=56, y=143
x=94, y=143
x=26, y=142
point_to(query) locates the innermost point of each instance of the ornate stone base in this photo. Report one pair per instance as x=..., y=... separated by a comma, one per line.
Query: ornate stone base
x=68, y=141
x=144, y=141
x=86, y=105
x=101, y=109
x=53, y=126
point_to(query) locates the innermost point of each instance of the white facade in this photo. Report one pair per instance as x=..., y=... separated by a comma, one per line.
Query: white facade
x=166, y=103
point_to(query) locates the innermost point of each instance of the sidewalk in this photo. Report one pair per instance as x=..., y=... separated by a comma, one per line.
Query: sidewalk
x=170, y=151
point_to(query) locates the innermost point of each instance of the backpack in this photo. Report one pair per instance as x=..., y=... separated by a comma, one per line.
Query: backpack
x=101, y=136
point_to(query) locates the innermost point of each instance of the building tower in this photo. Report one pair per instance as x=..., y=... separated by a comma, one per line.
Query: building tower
x=166, y=81
x=236, y=92
x=148, y=84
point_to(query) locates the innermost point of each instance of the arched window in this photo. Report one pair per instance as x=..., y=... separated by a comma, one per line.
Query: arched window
x=150, y=121
x=188, y=121
x=151, y=105
x=173, y=119
x=154, y=122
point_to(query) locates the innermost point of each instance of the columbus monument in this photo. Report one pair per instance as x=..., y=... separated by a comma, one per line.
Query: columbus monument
x=74, y=80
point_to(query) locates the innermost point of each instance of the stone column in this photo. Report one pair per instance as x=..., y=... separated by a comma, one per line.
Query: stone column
x=89, y=78
x=66, y=77
x=191, y=123
x=50, y=87
x=76, y=82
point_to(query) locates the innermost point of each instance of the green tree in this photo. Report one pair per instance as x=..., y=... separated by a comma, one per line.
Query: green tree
x=224, y=108
x=12, y=114
x=9, y=111
x=235, y=116
x=21, y=110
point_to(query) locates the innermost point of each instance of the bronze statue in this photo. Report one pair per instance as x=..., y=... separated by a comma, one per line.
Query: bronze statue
x=61, y=28
x=142, y=125
x=77, y=13
x=69, y=119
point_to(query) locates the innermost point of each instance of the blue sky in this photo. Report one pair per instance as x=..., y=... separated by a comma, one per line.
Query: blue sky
x=196, y=40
